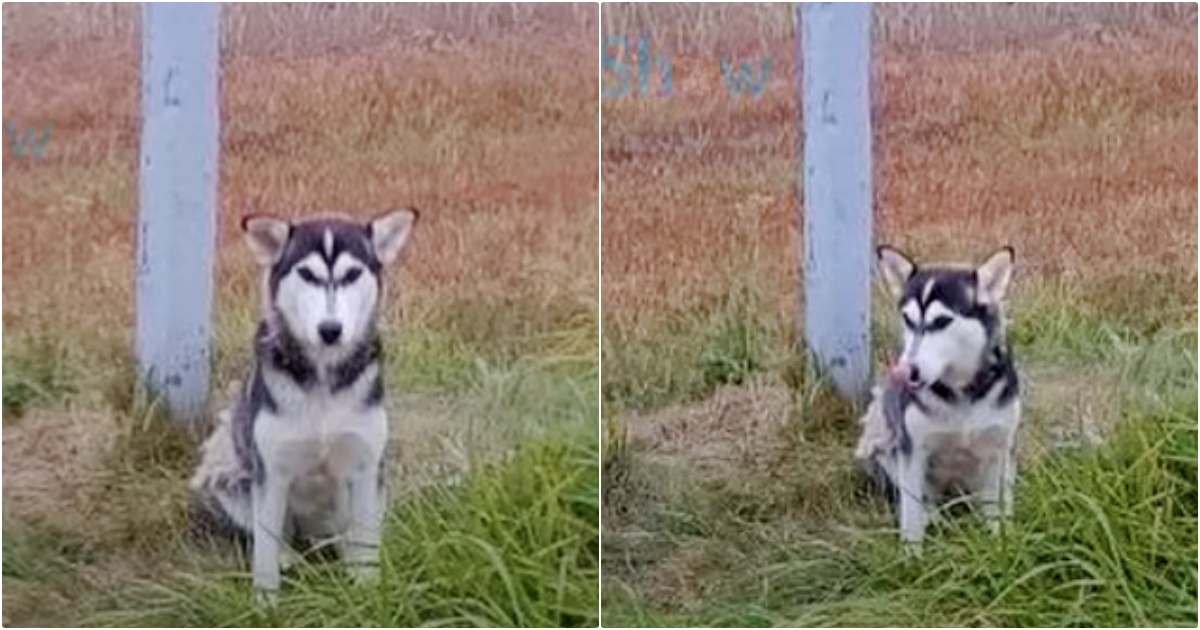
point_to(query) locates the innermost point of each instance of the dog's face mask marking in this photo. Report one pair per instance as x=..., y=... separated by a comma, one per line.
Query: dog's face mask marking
x=940, y=343
x=322, y=276
x=327, y=304
x=950, y=315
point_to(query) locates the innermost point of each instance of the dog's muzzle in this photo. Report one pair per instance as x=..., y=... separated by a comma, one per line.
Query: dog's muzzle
x=904, y=375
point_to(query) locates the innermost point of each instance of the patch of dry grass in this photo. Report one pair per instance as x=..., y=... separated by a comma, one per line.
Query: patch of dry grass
x=56, y=462
x=494, y=143
x=1079, y=151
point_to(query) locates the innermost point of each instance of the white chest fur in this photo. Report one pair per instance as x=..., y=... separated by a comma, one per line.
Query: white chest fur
x=960, y=441
x=321, y=436
x=315, y=443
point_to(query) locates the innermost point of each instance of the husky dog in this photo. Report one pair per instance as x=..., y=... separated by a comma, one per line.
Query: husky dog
x=300, y=455
x=945, y=421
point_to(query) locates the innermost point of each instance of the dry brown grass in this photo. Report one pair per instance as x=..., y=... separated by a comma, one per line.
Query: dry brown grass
x=1080, y=150
x=57, y=462
x=493, y=139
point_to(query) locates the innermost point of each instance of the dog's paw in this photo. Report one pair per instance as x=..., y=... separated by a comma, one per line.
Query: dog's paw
x=289, y=559
x=365, y=573
x=266, y=598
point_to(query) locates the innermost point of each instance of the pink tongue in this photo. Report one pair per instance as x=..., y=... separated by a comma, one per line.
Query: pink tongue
x=899, y=375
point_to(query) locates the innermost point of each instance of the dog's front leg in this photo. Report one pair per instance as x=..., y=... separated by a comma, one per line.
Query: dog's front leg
x=361, y=546
x=995, y=496
x=270, y=510
x=1007, y=497
x=913, y=515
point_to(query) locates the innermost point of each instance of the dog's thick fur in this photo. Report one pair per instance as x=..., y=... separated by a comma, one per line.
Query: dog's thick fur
x=300, y=455
x=944, y=423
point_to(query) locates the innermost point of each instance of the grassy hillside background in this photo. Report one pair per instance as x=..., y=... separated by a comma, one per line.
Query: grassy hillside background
x=1068, y=131
x=484, y=118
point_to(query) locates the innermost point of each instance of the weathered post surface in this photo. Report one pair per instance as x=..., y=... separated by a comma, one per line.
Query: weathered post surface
x=177, y=202
x=835, y=53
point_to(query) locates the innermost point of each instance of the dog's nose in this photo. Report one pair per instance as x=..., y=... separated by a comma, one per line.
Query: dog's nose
x=330, y=332
x=914, y=376
x=904, y=375
x=900, y=374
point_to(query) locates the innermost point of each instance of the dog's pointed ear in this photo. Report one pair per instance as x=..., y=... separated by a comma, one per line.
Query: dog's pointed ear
x=895, y=268
x=994, y=274
x=266, y=237
x=390, y=232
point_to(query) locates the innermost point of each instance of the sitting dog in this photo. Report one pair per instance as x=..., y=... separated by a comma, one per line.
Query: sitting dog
x=300, y=456
x=944, y=422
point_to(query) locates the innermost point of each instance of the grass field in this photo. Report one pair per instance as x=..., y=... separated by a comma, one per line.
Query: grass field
x=484, y=118
x=728, y=492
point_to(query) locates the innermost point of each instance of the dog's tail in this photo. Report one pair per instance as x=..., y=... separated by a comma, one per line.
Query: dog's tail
x=879, y=439
x=218, y=465
x=220, y=485
x=207, y=521
x=878, y=433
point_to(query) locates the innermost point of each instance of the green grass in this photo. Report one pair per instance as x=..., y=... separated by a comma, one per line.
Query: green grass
x=1102, y=538
x=33, y=555
x=1105, y=534
x=684, y=356
x=36, y=372
x=495, y=504
x=513, y=546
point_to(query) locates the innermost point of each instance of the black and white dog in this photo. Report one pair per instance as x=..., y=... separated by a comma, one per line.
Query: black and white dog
x=300, y=455
x=945, y=421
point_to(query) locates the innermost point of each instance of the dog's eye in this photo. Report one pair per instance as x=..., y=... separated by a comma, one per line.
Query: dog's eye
x=307, y=275
x=938, y=323
x=909, y=323
x=351, y=276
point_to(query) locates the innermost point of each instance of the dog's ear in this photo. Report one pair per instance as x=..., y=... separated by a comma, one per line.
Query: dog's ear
x=895, y=267
x=266, y=237
x=390, y=232
x=994, y=274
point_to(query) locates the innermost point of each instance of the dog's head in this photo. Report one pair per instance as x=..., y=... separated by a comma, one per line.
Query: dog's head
x=952, y=315
x=323, y=276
